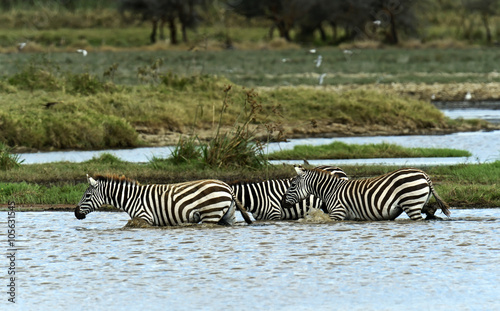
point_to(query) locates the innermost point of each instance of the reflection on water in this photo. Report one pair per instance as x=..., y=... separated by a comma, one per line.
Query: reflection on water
x=96, y=263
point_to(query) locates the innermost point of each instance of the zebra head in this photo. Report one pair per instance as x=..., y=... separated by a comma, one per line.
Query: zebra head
x=297, y=190
x=92, y=199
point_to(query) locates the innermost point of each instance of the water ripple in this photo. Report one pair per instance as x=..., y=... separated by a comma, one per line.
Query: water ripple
x=271, y=265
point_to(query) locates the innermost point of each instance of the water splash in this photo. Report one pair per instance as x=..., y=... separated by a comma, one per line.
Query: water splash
x=315, y=215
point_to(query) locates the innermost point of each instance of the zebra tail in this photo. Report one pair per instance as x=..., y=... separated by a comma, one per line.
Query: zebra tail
x=442, y=204
x=243, y=211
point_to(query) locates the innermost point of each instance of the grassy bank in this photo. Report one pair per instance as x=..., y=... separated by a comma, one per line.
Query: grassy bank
x=339, y=150
x=462, y=186
x=45, y=107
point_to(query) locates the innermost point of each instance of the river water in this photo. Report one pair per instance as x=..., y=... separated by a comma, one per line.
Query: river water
x=484, y=146
x=66, y=264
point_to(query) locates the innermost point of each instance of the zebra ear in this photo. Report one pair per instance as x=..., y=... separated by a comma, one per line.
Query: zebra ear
x=299, y=169
x=91, y=181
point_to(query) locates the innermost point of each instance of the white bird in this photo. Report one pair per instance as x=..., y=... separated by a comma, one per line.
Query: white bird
x=468, y=96
x=21, y=46
x=312, y=51
x=318, y=60
x=84, y=52
x=321, y=78
x=433, y=97
x=348, y=52
x=377, y=22
x=284, y=60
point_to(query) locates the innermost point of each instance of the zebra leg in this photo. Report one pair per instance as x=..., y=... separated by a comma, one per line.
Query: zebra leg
x=213, y=217
x=338, y=212
x=429, y=210
x=414, y=211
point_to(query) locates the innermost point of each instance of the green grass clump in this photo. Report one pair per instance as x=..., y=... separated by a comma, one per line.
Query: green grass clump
x=187, y=150
x=106, y=159
x=87, y=84
x=8, y=160
x=29, y=193
x=356, y=107
x=38, y=73
x=41, y=73
x=340, y=150
x=487, y=173
x=85, y=129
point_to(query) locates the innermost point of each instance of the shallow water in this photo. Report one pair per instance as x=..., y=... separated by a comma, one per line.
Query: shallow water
x=490, y=115
x=66, y=264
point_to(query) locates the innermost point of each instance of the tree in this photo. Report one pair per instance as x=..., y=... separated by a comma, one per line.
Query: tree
x=160, y=12
x=485, y=8
x=283, y=13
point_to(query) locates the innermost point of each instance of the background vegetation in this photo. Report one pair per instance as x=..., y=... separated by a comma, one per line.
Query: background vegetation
x=79, y=74
x=61, y=101
x=318, y=22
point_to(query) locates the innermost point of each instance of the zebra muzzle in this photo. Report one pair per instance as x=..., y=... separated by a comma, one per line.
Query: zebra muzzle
x=78, y=214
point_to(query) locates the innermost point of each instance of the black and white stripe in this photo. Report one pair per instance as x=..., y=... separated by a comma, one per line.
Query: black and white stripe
x=263, y=199
x=379, y=198
x=207, y=201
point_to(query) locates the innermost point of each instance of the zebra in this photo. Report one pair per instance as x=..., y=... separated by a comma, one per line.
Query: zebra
x=207, y=201
x=379, y=198
x=263, y=199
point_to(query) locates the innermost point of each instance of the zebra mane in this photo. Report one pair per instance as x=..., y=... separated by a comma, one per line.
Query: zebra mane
x=116, y=178
x=321, y=171
x=249, y=182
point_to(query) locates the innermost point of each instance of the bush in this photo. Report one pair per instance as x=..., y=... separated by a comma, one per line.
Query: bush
x=85, y=83
x=36, y=75
x=236, y=147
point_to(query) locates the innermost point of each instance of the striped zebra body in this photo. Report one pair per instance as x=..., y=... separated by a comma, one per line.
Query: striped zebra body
x=379, y=198
x=263, y=199
x=207, y=201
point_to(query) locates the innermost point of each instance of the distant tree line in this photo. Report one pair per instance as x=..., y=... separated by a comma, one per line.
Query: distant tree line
x=358, y=18
x=486, y=9
x=298, y=20
x=366, y=19
x=161, y=12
